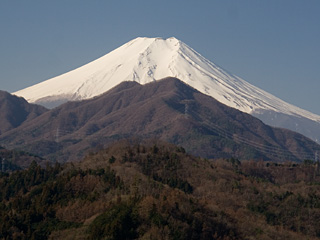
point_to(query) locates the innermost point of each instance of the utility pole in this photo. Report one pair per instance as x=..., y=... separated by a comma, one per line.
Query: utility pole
x=186, y=103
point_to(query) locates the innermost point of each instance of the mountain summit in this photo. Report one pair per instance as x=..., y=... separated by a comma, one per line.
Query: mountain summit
x=146, y=60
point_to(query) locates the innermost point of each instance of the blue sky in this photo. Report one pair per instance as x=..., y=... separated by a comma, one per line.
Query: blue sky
x=273, y=44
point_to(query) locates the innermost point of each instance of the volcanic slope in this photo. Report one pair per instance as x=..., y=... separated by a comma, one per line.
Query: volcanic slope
x=168, y=110
x=145, y=60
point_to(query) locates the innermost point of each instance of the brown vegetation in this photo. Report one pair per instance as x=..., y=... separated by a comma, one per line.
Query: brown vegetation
x=155, y=190
x=168, y=110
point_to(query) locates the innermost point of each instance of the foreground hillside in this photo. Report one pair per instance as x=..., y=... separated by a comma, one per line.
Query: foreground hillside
x=157, y=191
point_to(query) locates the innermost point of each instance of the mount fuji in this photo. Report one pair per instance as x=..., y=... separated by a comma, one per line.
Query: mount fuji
x=146, y=60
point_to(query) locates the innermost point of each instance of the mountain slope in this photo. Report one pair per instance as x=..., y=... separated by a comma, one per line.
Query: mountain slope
x=148, y=59
x=168, y=110
x=15, y=110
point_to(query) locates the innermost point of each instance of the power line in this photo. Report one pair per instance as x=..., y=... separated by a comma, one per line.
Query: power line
x=266, y=148
x=258, y=146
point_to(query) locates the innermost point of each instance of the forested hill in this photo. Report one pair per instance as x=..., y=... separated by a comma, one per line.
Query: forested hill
x=11, y=160
x=157, y=191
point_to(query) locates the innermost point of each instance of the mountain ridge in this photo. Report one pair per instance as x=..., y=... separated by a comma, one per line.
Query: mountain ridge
x=16, y=110
x=150, y=59
x=169, y=110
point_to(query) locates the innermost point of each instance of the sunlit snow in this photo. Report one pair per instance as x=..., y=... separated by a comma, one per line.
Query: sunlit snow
x=149, y=59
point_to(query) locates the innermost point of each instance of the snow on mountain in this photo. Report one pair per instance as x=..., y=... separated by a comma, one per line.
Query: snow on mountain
x=149, y=59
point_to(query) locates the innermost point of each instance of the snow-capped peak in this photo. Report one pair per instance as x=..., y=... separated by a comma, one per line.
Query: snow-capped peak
x=149, y=59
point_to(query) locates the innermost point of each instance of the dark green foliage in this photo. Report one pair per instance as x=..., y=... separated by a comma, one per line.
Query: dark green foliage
x=175, y=182
x=234, y=162
x=308, y=162
x=161, y=165
x=112, y=159
x=122, y=221
x=279, y=209
x=119, y=222
x=28, y=198
x=155, y=149
x=181, y=149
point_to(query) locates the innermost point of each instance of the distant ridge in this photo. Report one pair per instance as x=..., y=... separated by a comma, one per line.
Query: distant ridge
x=167, y=110
x=16, y=110
x=146, y=60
